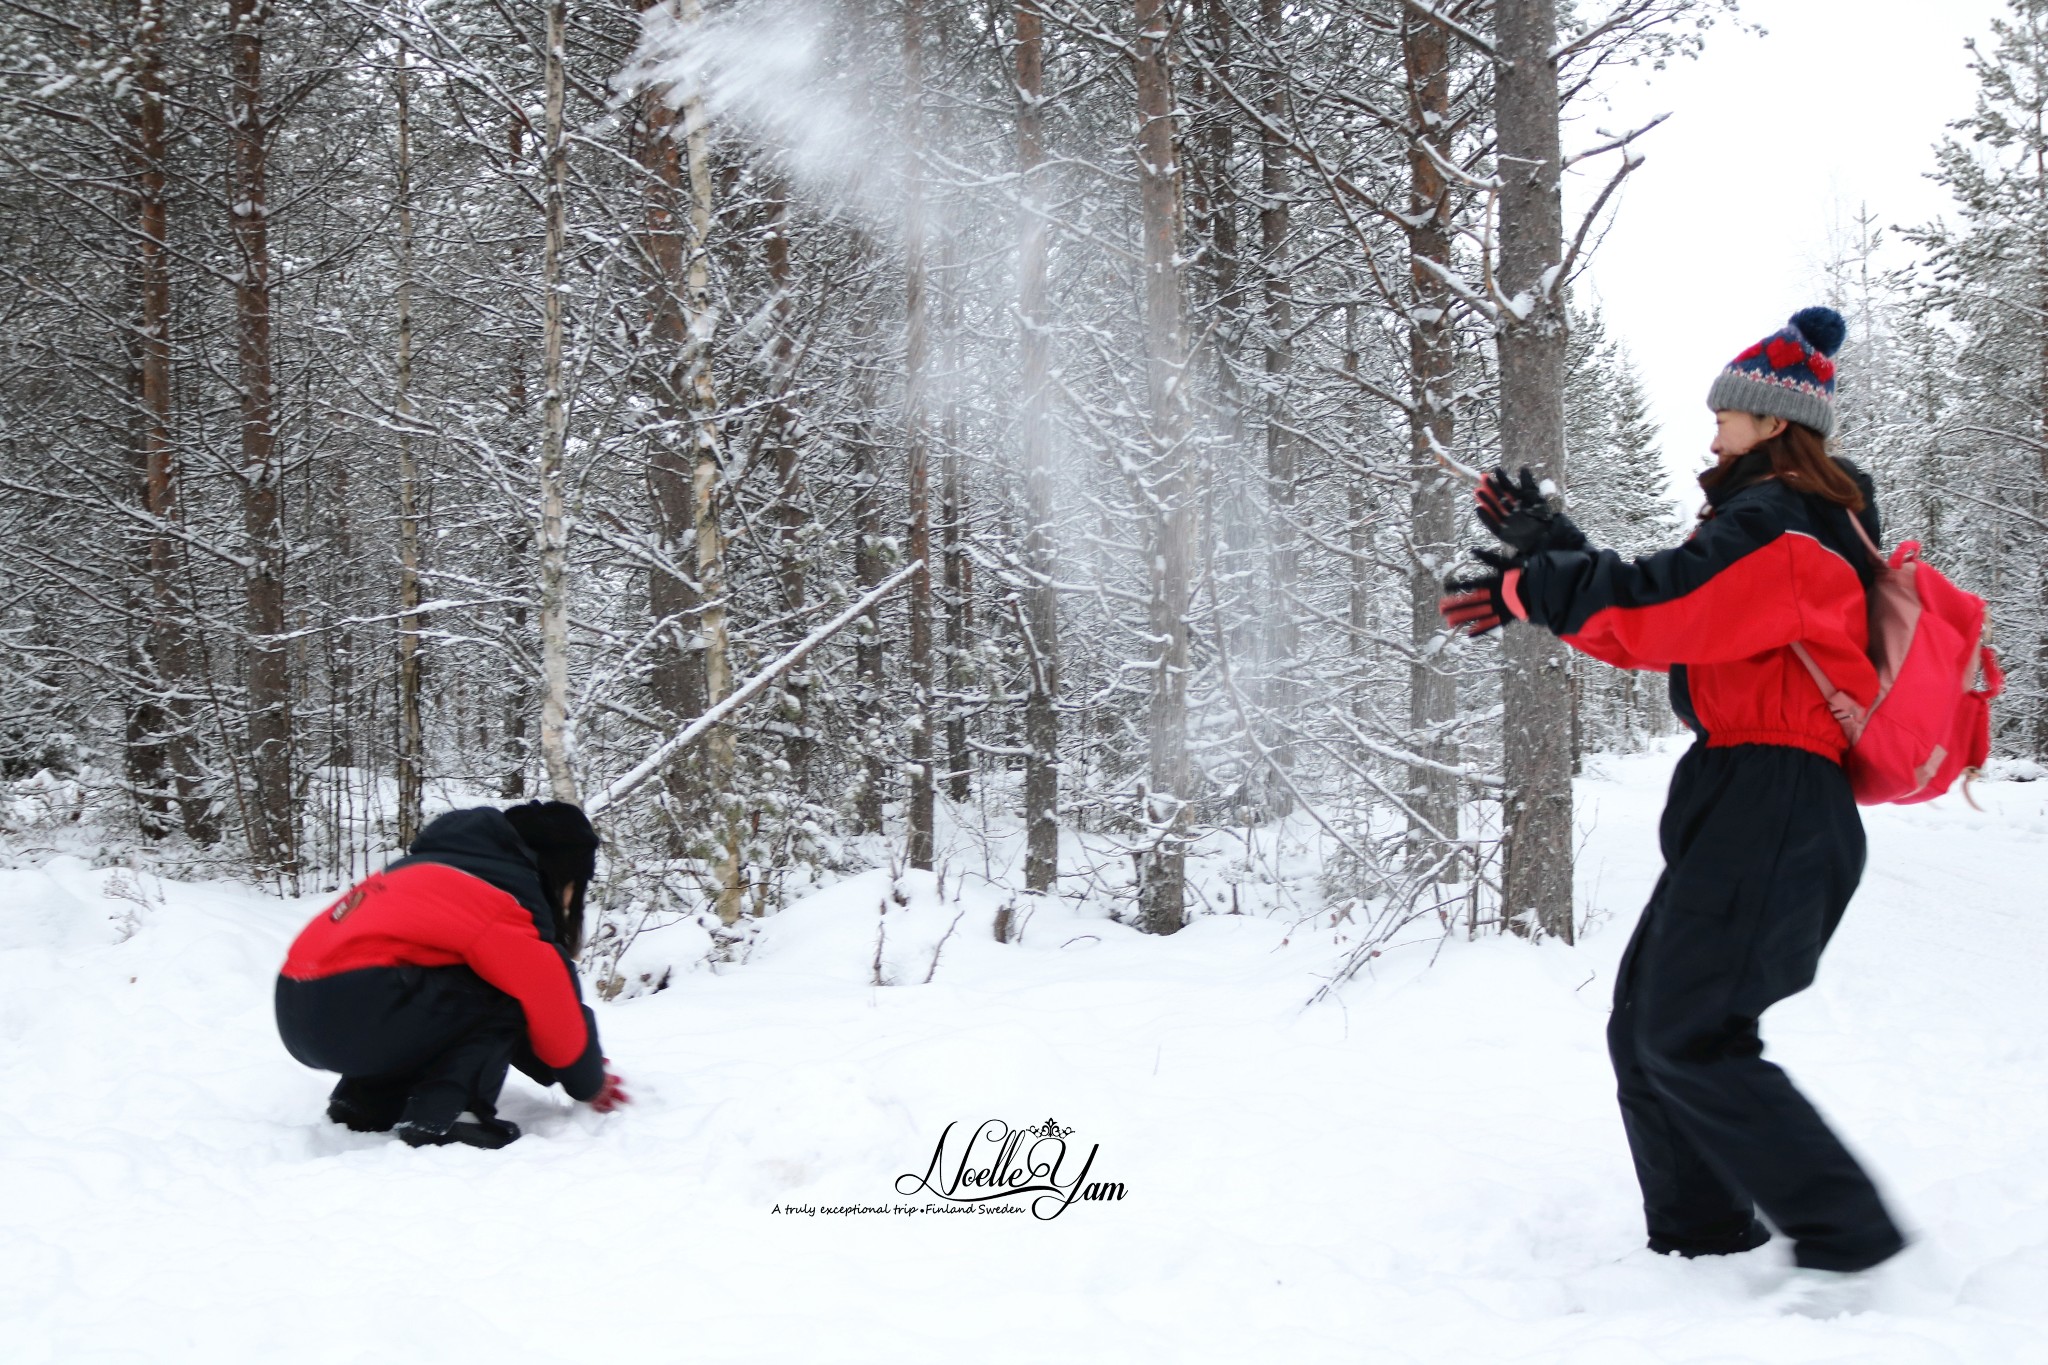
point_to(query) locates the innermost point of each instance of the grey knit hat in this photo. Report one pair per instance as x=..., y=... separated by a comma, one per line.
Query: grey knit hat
x=1789, y=374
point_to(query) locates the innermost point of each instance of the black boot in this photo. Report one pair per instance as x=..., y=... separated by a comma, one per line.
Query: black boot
x=366, y=1104
x=1749, y=1239
x=470, y=1131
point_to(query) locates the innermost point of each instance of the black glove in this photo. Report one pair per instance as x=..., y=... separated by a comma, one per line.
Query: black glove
x=1519, y=515
x=1476, y=603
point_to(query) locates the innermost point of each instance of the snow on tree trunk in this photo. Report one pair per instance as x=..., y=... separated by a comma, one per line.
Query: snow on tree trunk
x=411, y=731
x=1280, y=697
x=707, y=494
x=1167, y=484
x=1434, y=499
x=870, y=567
x=272, y=810
x=556, y=740
x=791, y=513
x=1536, y=883
x=1040, y=614
x=673, y=596
x=917, y=443
x=169, y=717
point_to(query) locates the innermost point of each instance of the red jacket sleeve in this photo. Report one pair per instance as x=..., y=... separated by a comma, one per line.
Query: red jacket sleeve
x=1734, y=590
x=512, y=956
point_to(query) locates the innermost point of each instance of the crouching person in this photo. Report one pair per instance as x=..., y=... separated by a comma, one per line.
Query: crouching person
x=426, y=981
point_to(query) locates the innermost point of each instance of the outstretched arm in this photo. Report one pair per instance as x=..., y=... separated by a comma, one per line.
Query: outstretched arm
x=1727, y=593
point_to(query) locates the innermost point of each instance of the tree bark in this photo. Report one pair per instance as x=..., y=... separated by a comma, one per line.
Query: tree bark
x=1433, y=494
x=411, y=735
x=273, y=813
x=167, y=719
x=1536, y=880
x=1216, y=219
x=707, y=496
x=1041, y=601
x=556, y=738
x=959, y=569
x=1358, y=596
x=917, y=446
x=678, y=681
x=517, y=747
x=689, y=469
x=869, y=569
x=1283, y=630
x=791, y=513
x=1170, y=517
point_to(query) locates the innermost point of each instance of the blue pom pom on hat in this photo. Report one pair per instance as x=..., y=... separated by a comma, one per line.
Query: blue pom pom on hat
x=1789, y=374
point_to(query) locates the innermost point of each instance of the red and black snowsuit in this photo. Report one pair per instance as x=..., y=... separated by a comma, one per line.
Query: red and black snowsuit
x=1762, y=846
x=427, y=980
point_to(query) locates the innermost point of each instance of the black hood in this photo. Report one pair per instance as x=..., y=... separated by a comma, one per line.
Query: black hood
x=1832, y=519
x=1747, y=470
x=482, y=842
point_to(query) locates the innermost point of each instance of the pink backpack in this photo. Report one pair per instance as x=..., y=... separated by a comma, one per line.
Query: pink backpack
x=1929, y=724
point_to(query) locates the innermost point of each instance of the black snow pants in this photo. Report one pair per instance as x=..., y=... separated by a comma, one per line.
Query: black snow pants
x=417, y=1043
x=1762, y=849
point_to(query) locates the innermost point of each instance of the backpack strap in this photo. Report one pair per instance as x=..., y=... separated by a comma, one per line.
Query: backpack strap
x=1856, y=524
x=1847, y=713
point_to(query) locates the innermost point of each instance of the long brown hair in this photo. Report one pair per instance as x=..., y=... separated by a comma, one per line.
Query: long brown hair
x=1799, y=456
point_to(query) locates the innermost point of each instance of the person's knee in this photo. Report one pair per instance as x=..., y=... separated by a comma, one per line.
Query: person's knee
x=1621, y=1040
x=1674, y=1047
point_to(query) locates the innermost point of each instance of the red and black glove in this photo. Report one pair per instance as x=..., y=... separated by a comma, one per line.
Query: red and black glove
x=1477, y=603
x=612, y=1095
x=1518, y=514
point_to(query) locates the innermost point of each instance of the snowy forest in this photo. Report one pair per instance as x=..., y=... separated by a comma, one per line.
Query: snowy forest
x=1027, y=437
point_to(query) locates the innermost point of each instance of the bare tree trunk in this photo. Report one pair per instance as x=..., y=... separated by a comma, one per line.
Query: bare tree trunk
x=517, y=751
x=869, y=569
x=1216, y=219
x=959, y=569
x=1536, y=882
x=1170, y=530
x=678, y=681
x=1234, y=494
x=274, y=810
x=790, y=514
x=1433, y=495
x=707, y=495
x=1357, y=546
x=411, y=736
x=1283, y=630
x=168, y=721
x=1041, y=607
x=556, y=739
x=917, y=445
x=2040, y=493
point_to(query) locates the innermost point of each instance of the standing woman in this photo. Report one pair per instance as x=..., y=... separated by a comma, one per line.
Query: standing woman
x=1761, y=839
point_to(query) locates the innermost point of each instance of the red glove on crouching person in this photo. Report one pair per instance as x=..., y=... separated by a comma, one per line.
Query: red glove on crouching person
x=612, y=1095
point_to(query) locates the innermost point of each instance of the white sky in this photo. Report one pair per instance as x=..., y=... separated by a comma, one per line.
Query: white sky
x=1772, y=145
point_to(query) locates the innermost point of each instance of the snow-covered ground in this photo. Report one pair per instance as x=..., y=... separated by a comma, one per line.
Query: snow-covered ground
x=1429, y=1169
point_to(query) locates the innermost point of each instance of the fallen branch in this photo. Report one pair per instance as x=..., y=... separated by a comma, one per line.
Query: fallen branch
x=647, y=767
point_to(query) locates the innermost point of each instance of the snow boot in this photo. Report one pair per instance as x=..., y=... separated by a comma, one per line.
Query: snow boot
x=470, y=1130
x=366, y=1106
x=1749, y=1239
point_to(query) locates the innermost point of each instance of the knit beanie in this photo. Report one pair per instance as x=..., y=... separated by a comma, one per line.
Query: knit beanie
x=1789, y=374
x=561, y=839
